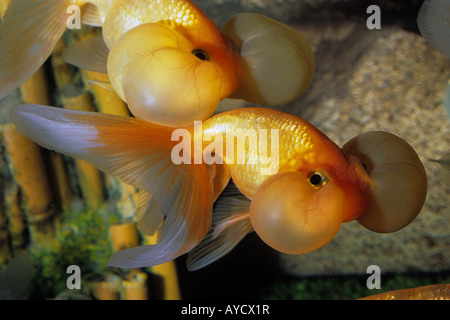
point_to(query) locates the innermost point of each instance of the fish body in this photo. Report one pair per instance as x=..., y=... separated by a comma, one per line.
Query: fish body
x=300, y=147
x=165, y=58
x=323, y=186
x=429, y=292
x=189, y=43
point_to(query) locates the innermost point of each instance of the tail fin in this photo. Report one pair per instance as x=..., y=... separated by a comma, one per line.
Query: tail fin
x=138, y=153
x=28, y=33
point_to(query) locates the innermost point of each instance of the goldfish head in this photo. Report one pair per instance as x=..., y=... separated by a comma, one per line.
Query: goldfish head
x=381, y=183
x=166, y=77
x=173, y=75
x=300, y=210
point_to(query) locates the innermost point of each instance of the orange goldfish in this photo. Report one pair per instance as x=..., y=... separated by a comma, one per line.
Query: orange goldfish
x=295, y=199
x=165, y=58
x=429, y=292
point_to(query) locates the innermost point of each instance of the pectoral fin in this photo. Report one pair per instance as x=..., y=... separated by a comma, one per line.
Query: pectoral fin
x=90, y=54
x=231, y=223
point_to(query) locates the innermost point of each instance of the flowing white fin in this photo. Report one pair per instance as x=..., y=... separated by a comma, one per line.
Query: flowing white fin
x=222, y=177
x=231, y=223
x=434, y=24
x=149, y=216
x=138, y=153
x=90, y=54
x=28, y=33
x=103, y=84
x=91, y=16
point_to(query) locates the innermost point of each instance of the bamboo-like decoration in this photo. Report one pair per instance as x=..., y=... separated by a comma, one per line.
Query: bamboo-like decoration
x=108, y=289
x=5, y=249
x=124, y=236
x=3, y=6
x=29, y=170
x=17, y=223
x=90, y=178
x=27, y=164
x=106, y=100
x=35, y=90
x=135, y=286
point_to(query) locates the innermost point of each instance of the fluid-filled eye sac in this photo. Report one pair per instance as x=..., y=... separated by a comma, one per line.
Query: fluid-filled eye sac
x=276, y=63
x=396, y=184
x=163, y=77
x=293, y=215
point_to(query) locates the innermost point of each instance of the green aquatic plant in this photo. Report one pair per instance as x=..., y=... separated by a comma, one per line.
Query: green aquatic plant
x=82, y=240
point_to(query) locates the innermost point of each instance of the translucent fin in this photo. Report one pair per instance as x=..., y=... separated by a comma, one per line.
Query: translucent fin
x=434, y=24
x=149, y=216
x=28, y=34
x=103, y=84
x=91, y=16
x=90, y=54
x=221, y=178
x=138, y=153
x=231, y=223
x=444, y=173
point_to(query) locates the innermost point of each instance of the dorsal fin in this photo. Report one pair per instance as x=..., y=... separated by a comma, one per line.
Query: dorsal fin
x=90, y=54
x=91, y=16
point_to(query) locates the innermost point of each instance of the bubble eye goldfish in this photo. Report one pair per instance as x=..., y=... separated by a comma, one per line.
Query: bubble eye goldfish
x=295, y=207
x=165, y=58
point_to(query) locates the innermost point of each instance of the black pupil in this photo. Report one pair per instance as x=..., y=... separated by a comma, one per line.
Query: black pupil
x=315, y=179
x=202, y=55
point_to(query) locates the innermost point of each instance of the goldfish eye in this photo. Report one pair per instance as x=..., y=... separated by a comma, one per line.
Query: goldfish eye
x=201, y=54
x=317, y=179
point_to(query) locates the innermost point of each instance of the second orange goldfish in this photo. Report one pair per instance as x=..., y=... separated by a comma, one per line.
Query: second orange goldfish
x=165, y=58
x=376, y=178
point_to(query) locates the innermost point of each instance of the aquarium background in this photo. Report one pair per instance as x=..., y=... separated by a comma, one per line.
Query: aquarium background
x=387, y=79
